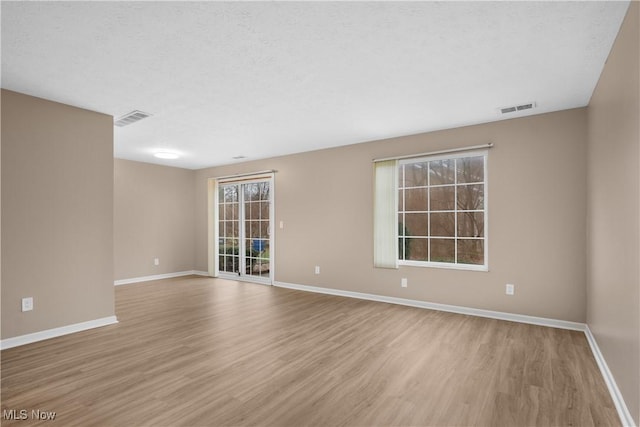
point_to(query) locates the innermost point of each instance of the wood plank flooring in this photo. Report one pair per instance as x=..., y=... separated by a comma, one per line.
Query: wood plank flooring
x=207, y=352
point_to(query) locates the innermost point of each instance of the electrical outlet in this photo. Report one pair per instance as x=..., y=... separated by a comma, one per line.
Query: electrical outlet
x=317, y=269
x=510, y=289
x=281, y=225
x=156, y=261
x=403, y=282
x=27, y=304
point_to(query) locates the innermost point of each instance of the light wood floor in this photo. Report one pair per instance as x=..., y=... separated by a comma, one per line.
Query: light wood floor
x=199, y=351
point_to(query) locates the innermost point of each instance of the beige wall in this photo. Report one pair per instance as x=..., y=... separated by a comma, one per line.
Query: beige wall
x=537, y=200
x=613, y=290
x=153, y=218
x=57, y=214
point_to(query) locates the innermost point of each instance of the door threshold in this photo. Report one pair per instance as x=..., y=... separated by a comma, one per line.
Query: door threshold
x=245, y=279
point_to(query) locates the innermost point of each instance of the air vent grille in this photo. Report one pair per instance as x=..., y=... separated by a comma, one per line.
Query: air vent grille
x=513, y=109
x=131, y=117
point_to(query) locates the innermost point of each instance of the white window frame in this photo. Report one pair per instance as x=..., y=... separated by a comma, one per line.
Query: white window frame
x=452, y=265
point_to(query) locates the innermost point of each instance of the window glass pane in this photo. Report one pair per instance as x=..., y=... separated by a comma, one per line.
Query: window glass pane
x=221, y=228
x=443, y=224
x=400, y=176
x=471, y=251
x=221, y=194
x=415, y=174
x=402, y=245
x=234, y=231
x=401, y=227
x=441, y=172
x=416, y=224
x=443, y=250
x=470, y=224
x=471, y=197
x=416, y=199
x=470, y=169
x=400, y=200
x=442, y=198
x=417, y=249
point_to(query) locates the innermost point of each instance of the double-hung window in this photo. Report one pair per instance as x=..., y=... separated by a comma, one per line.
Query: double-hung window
x=442, y=211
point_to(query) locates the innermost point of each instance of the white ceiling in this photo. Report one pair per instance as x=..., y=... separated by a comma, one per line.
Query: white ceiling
x=269, y=78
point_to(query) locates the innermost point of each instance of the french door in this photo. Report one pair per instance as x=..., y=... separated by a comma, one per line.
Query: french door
x=245, y=219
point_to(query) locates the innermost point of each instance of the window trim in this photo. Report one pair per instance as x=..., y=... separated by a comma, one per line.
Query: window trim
x=446, y=265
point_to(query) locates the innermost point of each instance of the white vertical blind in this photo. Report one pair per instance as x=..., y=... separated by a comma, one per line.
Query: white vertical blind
x=213, y=228
x=385, y=223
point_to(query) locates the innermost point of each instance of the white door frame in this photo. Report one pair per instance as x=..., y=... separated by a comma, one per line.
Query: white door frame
x=213, y=211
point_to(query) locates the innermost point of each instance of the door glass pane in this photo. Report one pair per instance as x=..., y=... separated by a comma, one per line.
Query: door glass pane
x=256, y=228
x=228, y=228
x=230, y=193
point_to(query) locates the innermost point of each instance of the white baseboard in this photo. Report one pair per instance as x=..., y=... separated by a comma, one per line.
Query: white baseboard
x=159, y=276
x=201, y=273
x=542, y=321
x=614, y=391
x=56, y=332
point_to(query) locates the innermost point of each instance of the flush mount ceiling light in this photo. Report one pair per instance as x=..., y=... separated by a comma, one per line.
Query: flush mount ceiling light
x=166, y=155
x=239, y=157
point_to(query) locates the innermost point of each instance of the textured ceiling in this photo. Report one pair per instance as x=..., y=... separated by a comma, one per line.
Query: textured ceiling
x=265, y=79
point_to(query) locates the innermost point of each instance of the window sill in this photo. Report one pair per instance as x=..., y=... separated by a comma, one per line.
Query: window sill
x=446, y=266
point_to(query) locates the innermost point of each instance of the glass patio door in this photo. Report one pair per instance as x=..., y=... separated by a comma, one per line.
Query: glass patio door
x=244, y=230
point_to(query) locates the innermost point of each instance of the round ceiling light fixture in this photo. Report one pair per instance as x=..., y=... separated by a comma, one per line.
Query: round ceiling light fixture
x=166, y=155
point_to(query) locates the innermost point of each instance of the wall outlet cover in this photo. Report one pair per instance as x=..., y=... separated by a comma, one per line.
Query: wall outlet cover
x=27, y=304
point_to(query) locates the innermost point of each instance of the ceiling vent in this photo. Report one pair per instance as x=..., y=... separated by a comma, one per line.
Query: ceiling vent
x=507, y=110
x=131, y=117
